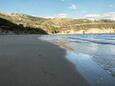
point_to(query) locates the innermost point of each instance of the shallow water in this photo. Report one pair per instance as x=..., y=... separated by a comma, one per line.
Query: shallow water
x=92, y=72
x=96, y=52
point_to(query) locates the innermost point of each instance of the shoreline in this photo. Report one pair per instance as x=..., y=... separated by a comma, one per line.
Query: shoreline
x=58, y=34
x=27, y=61
x=91, y=70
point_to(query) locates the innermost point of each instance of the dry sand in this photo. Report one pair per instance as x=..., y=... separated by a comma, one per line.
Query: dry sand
x=27, y=61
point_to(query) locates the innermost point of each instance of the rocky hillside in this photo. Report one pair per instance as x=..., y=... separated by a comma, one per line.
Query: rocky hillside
x=55, y=25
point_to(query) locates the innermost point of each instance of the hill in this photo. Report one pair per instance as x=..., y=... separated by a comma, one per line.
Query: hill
x=7, y=26
x=56, y=25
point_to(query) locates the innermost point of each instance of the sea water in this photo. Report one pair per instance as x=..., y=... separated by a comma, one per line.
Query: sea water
x=99, y=47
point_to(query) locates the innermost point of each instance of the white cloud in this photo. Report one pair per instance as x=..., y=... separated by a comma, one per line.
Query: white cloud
x=51, y=17
x=110, y=15
x=91, y=15
x=62, y=15
x=73, y=7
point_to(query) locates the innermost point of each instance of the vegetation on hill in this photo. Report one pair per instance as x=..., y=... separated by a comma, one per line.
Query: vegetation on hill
x=7, y=26
x=29, y=24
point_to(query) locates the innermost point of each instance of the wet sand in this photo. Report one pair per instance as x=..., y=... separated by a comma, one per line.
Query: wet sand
x=83, y=54
x=27, y=61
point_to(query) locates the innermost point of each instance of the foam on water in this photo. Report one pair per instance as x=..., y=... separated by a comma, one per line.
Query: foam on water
x=100, y=48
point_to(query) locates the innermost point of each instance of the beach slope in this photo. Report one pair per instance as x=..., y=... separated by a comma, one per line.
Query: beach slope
x=27, y=61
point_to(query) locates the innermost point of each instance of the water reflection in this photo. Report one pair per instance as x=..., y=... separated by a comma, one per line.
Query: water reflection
x=90, y=70
x=93, y=56
x=105, y=57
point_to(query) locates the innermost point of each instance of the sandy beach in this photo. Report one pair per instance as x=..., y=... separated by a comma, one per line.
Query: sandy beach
x=27, y=61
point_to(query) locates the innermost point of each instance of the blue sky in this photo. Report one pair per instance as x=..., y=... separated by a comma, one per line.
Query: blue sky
x=70, y=8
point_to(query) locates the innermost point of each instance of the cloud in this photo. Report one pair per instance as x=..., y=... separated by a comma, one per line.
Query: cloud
x=49, y=17
x=92, y=16
x=73, y=7
x=110, y=15
x=62, y=15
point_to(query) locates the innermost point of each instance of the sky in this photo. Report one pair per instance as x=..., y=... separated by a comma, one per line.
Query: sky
x=59, y=8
